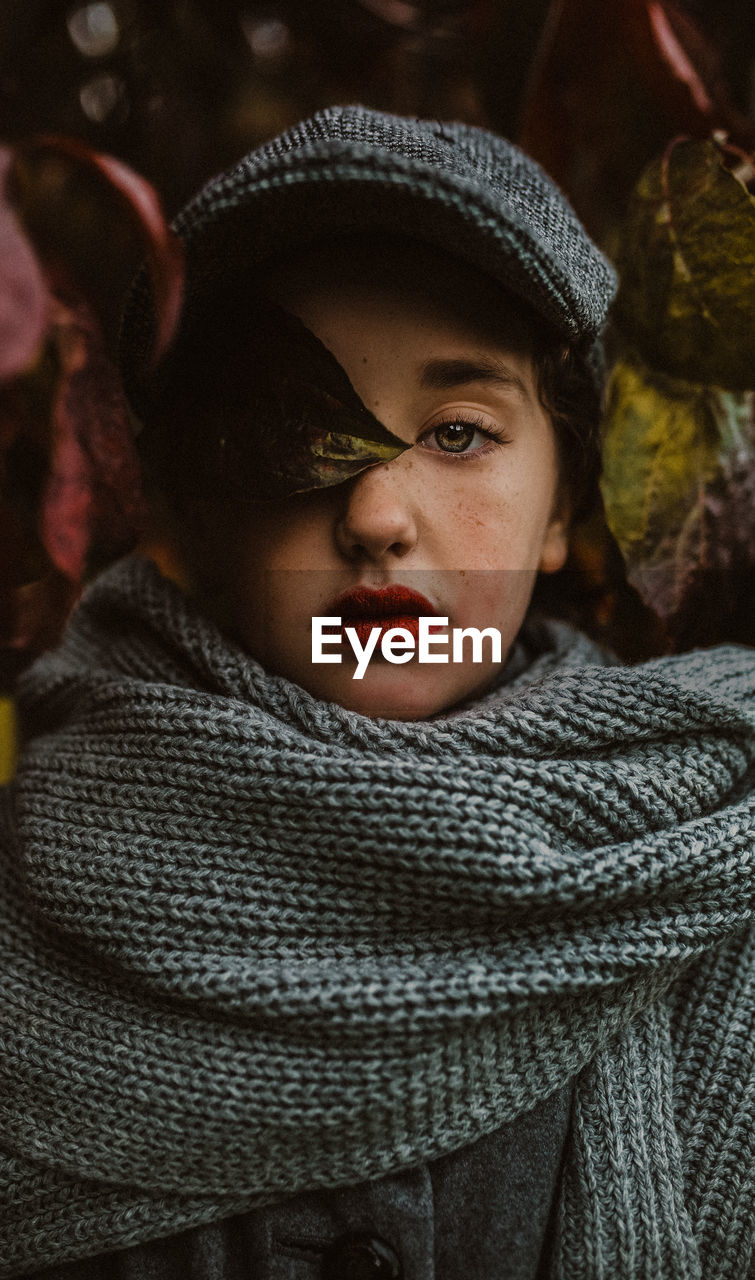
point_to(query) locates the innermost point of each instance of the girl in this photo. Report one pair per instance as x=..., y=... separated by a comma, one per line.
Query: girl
x=388, y=965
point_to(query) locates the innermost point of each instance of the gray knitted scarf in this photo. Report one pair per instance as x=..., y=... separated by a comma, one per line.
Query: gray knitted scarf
x=254, y=943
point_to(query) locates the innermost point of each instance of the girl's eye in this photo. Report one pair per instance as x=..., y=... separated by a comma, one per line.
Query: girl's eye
x=457, y=436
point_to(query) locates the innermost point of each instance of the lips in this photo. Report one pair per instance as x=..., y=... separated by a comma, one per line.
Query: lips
x=365, y=608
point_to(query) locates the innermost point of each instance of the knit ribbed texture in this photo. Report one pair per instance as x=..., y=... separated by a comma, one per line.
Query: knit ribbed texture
x=661, y=1168
x=255, y=943
x=469, y=192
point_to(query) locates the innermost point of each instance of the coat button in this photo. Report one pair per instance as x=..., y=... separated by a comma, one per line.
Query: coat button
x=359, y=1256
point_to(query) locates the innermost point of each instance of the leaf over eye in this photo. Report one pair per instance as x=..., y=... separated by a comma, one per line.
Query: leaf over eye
x=296, y=453
x=335, y=456
x=312, y=430
x=274, y=411
x=318, y=442
x=347, y=448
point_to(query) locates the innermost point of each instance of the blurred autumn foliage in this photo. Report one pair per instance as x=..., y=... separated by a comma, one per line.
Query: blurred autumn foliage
x=177, y=89
x=679, y=455
x=71, y=221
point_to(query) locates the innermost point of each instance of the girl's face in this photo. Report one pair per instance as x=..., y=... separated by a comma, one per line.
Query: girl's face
x=467, y=516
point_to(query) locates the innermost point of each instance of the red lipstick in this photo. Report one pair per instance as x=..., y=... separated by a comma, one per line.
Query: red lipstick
x=394, y=605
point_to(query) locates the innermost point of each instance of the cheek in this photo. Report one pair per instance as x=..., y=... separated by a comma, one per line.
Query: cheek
x=497, y=527
x=498, y=518
x=493, y=597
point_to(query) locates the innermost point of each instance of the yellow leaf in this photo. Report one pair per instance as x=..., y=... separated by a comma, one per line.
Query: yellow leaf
x=662, y=447
x=8, y=746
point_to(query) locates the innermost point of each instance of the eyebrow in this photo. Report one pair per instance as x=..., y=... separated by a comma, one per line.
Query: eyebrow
x=444, y=375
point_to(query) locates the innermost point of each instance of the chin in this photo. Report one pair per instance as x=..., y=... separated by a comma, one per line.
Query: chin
x=397, y=693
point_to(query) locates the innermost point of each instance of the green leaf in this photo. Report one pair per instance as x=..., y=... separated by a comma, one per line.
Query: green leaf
x=687, y=264
x=332, y=456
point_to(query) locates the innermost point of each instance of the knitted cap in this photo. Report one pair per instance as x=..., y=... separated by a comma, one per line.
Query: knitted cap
x=348, y=169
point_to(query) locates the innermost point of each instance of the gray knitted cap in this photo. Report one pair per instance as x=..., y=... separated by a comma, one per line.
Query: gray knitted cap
x=347, y=169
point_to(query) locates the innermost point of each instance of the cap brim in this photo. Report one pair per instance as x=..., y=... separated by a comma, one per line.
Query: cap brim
x=334, y=186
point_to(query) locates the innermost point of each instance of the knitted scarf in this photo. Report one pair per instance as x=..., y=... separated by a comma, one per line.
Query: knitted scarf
x=254, y=943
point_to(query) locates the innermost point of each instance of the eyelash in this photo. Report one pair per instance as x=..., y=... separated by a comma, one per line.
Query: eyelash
x=467, y=420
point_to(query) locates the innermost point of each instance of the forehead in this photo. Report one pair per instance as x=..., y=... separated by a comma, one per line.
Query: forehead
x=414, y=277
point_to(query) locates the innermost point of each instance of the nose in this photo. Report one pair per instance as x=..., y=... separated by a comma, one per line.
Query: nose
x=378, y=519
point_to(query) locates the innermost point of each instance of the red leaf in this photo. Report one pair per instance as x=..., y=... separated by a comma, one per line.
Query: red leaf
x=92, y=220
x=674, y=53
x=24, y=299
x=92, y=496
x=163, y=249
